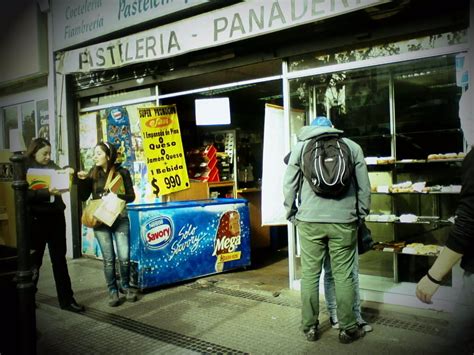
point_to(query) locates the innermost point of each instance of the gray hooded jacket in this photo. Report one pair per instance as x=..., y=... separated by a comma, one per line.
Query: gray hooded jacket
x=314, y=208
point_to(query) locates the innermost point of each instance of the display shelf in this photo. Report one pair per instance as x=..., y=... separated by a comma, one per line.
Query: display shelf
x=391, y=250
x=415, y=161
x=447, y=222
x=434, y=206
x=416, y=193
x=229, y=188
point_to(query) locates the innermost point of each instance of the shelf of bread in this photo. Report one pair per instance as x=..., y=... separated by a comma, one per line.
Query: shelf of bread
x=445, y=157
x=417, y=187
x=431, y=158
x=401, y=247
x=407, y=218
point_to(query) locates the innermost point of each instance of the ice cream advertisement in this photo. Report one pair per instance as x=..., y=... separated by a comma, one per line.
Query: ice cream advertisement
x=176, y=241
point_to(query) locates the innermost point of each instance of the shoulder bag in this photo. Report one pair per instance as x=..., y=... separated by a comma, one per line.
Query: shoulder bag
x=111, y=205
x=88, y=217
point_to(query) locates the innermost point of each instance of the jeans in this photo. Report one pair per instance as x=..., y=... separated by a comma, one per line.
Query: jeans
x=317, y=240
x=120, y=231
x=330, y=290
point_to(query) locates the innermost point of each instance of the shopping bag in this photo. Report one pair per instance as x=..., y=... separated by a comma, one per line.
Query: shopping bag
x=364, y=238
x=88, y=218
x=109, y=209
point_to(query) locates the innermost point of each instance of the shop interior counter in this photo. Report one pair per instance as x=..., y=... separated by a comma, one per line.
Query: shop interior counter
x=181, y=240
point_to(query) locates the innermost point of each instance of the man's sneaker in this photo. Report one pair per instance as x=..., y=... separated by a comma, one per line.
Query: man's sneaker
x=334, y=323
x=348, y=336
x=130, y=295
x=312, y=333
x=366, y=326
x=113, y=299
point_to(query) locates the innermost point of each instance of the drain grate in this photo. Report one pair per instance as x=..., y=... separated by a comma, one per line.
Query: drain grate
x=244, y=294
x=429, y=326
x=421, y=327
x=163, y=335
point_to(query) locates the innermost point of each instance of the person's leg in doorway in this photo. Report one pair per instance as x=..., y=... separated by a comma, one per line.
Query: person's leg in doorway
x=313, y=242
x=342, y=249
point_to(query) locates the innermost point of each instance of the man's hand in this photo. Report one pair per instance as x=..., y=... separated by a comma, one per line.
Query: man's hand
x=426, y=289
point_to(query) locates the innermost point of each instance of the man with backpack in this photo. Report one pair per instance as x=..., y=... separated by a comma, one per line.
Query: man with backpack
x=327, y=190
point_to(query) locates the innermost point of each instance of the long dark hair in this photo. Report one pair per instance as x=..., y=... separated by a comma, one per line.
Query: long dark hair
x=111, y=153
x=35, y=145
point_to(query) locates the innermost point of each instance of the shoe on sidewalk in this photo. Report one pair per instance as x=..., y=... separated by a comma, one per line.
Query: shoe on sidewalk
x=130, y=295
x=334, y=323
x=312, y=333
x=113, y=299
x=73, y=307
x=348, y=336
x=366, y=326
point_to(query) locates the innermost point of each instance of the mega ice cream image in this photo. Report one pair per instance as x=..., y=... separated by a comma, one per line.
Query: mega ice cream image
x=227, y=239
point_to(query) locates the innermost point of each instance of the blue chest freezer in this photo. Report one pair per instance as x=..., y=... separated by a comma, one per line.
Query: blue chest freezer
x=176, y=241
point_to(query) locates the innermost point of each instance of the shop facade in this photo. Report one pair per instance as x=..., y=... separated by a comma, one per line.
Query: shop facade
x=25, y=101
x=393, y=86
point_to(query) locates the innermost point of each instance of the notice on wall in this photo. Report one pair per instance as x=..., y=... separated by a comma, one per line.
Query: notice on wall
x=273, y=211
x=165, y=160
x=42, y=119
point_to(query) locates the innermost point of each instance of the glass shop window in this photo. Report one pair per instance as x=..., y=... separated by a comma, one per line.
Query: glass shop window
x=21, y=116
x=427, y=108
x=10, y=121
x=357, y=102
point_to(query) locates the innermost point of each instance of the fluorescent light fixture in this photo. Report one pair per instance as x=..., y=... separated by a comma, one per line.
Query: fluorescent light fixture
x=215, y=111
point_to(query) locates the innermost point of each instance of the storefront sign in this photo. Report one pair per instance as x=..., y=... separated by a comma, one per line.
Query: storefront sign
x=163, y=148
x=77, y=21
x=240, y=21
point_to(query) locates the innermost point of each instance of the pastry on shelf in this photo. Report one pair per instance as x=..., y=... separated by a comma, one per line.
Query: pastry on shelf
x=422, y=249
x=408, y=218
x=391, y=246
x=446, y=156
x=406, y=186
x=385, y=160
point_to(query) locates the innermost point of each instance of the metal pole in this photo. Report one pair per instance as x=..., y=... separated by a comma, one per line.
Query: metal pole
x=26, y=319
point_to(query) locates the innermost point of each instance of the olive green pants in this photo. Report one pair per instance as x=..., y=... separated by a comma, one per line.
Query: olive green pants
x=316, y=239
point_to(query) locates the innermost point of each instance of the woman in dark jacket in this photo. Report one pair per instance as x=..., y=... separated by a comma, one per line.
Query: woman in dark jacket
x=47, y=225
x=93, y=182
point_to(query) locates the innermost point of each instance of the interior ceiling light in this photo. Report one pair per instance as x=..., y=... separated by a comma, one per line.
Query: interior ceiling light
x=223, y=90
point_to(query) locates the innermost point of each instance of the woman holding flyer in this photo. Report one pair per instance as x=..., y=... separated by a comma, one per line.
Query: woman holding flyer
x=47, y=224
x=96, y=182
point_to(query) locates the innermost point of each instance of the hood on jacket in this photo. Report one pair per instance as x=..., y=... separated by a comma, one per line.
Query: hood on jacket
x=309, y=132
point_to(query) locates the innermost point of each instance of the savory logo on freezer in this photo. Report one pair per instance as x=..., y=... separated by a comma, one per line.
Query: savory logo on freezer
x=158, y=232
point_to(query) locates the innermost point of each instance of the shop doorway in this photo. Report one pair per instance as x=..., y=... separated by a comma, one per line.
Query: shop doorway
x=247, y=100
x=249, y=89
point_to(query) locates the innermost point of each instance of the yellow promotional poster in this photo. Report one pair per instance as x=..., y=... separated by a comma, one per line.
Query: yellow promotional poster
x=165, y=161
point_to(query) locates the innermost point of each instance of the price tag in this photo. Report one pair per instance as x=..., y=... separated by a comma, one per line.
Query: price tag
x=165, y=160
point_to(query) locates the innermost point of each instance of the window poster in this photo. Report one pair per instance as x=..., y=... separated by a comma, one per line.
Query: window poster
x=28, y=127
x=165, y=160
x=87, y=138
x=273, y=211
x=42, y=119
x=118, y=133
